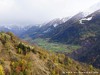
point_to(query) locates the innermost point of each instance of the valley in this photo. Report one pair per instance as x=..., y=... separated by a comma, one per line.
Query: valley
x=53, y=46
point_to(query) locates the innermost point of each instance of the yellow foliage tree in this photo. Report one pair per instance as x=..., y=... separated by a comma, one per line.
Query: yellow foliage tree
x=1, y=70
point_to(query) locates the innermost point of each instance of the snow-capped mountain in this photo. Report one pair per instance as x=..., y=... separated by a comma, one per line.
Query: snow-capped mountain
x=16, y=29
x=22, y=29
x=45, y=28
x=89, y=17
x=55, y=26
x=57, y=21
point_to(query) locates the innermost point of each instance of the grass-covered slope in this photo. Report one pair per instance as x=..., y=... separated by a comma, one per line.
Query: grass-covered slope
x=20, y=58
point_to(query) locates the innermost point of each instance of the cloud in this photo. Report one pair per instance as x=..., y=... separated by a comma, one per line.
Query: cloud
x=39, y=11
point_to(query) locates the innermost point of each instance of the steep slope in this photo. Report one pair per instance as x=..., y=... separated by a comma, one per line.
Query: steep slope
x=77, y=29
x=90, y=40
x=61, y=34
x=20, y=58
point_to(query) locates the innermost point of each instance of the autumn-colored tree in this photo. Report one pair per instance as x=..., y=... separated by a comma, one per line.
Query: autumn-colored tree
x=1, y=70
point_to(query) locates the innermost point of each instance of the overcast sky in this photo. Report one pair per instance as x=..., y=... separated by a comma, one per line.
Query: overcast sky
x=39, y=11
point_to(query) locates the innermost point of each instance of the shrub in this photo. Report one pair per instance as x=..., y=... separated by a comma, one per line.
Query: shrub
x=91, y=67
x=1, y=70
x=21, y=67
x=61, y=58
x=68, y=61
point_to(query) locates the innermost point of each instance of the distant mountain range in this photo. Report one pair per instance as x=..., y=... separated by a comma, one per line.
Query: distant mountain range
x=17, y=30
x=48, y=27
x=40, y=31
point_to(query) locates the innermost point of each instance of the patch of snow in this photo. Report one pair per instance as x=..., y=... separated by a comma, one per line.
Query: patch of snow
x=49, y=29
x=65, y=19
x=88, y=19
x=55, y=25
x=40, y=25
x=81, y=21
x=7, y=27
